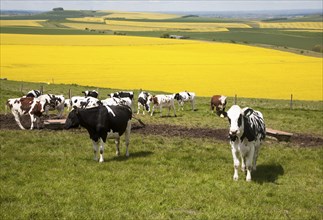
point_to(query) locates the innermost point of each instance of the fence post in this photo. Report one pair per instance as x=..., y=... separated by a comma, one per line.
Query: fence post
x=41, y=89
x=235, y=99
x=291, y=101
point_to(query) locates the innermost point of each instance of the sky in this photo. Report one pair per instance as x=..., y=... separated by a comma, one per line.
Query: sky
x=162, y=5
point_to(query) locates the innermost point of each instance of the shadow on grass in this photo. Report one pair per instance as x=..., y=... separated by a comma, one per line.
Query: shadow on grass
x=131, y=156
x=267, y=173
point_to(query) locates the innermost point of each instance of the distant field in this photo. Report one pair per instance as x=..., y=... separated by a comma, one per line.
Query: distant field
x=294, y=34
x=30, y=23
x=140, y=15
x=293, y=25
x=161, y=65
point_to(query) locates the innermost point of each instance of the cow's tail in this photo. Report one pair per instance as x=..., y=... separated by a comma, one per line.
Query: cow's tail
x=139, y=120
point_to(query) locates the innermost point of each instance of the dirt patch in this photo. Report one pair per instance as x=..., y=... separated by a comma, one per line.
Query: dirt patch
x=303, y=140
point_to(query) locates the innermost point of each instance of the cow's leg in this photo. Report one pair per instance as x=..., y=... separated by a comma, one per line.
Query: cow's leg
x=174, y=110
x=168, y=110
x=101, y=151
x=16, y=115
x=236, y=162
x=249, y=161
x=32, y=120
x=138, y=108
x=152, y=111
x=127, y=137
x=117, y=142
x=95, y=149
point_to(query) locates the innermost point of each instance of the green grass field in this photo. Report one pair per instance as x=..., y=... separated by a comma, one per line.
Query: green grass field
x=51, y=175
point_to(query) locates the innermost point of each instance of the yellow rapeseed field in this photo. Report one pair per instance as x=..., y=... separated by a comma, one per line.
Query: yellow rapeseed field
x=162, y=65
x=292, y=25
x=29, y=23
x=139, y=15
x=157, y=26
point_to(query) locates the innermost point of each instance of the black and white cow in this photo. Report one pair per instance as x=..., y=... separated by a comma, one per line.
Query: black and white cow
x=26, y=106
x=92, y=93
x=247, y=131
x=143, y=102
x=183, y=97
x=103, y=122
x=34, y=93
x=53, y=102
x=122, y=94
x=117, y=101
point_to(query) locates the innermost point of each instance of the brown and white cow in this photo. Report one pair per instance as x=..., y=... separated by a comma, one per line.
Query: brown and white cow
x=26, y=105
x=160, y=101
x=219, y=102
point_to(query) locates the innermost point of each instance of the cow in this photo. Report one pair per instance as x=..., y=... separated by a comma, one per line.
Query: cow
x=219, y=102
x=182, y=97
x=26, y=106
x=103, y=122
x=143, y=102
x=67, y=104
x=247, y=131
x=92, y=93
x=34, y=93
x=162, y=101
x=54, y=102
x=117, y=101
x=122, y=94
x=84, y=102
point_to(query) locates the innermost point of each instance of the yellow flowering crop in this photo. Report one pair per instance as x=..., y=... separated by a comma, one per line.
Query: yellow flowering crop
x=29, y=23
x=293, y=25
x=139, y=15
x=124, y=62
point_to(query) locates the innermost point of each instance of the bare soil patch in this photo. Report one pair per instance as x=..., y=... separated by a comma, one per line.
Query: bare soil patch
x=303, y=140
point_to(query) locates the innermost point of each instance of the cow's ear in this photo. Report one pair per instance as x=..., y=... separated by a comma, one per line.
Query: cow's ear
x=247, y=112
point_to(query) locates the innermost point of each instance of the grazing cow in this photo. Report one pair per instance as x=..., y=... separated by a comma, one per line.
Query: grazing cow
x=247, y=130
x=92, y=93
x=219, y=102
x=26, y=105
x=103, y=122
x=34, y=93
x=162, y=101
x=117, y=101
x=90, y=102
x=185, y=97
x=76, y=101
x=121, y=94
x=54, y=102
x=143, y=102
x=84, y=102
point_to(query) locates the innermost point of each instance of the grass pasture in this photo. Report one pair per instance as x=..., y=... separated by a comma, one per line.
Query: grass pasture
x=51, y=175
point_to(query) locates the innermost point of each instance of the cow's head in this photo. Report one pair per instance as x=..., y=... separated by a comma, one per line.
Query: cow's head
x=178, y=97
x=72, y=120
x=235, y=117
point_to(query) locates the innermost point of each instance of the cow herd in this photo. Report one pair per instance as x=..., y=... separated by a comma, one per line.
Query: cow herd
x=111, y=118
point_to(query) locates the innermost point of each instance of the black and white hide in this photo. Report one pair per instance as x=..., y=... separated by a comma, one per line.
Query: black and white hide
x=103, y=122
x=143, y=102
x=247, y=131
x=92, y=93
x=54, y=102
x=34, y=93
x=183, y=97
